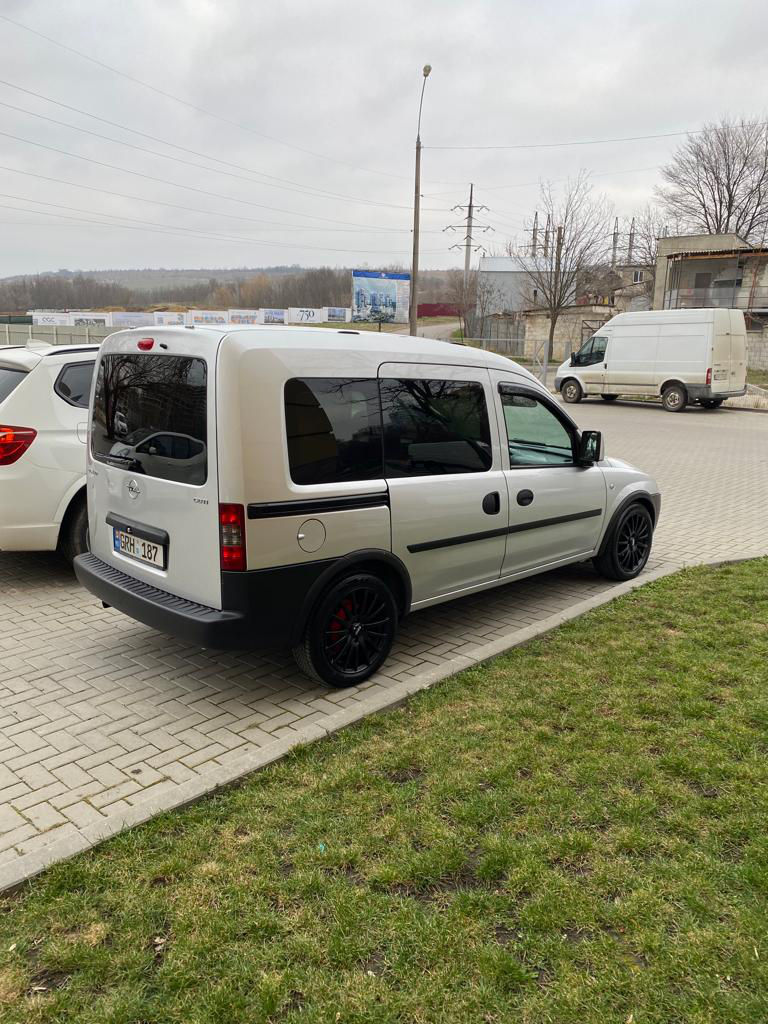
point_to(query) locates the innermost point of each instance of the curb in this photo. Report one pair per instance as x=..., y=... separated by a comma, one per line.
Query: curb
x=26, y=867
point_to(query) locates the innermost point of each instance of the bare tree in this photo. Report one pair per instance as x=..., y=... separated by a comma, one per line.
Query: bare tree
x=462, y=293
x=717, y=181
x=578, y=245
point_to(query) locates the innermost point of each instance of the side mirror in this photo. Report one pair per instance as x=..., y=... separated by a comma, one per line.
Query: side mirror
x=573, y=358
x=591, y=448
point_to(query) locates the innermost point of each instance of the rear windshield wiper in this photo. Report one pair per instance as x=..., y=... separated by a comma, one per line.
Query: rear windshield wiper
x=118, y=460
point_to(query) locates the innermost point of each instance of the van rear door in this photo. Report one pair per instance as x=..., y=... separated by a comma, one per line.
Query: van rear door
x=153, y=482
x=737, y=377
x=721, y=350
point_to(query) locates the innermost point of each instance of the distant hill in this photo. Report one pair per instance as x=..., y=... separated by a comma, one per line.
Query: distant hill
x=149, y=278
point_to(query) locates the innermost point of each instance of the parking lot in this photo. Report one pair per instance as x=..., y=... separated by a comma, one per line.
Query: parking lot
x=104, y=722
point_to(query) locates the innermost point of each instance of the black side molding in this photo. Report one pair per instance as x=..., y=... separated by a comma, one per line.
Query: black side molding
x=313, y=506
x=467, y=538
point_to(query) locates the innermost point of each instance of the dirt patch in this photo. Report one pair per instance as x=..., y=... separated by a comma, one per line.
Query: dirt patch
x=376, y=964
x=504, y=935
x=401, y=776
x=92, y=935
x=47, y=981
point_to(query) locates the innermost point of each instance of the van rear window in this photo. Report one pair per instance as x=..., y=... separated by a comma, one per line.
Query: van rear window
x=149, y=416
x=9, y=379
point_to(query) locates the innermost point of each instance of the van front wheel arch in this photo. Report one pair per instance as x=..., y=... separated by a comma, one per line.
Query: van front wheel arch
x=349, y=632
x=571, y=391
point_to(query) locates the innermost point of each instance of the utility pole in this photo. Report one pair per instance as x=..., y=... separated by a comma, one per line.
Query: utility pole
x=546, y=238
x=615, y=243
x=414, y=304
x=631, y=245
x=468, y=226
x=535, y=234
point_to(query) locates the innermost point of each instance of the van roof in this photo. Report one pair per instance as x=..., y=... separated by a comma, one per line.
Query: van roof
x=386, y=347
x=702, y=315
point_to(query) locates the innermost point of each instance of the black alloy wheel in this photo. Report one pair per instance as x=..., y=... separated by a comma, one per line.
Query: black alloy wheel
x=629, y=545
x=350, y=633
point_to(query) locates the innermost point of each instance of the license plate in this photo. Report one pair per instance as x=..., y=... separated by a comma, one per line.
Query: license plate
x=136, y=547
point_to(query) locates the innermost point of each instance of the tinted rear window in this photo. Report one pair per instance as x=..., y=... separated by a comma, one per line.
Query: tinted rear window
x=334, y=430
x=9, y=380
x=149, y=416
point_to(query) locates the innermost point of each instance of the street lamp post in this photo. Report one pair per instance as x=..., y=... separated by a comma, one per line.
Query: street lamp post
x=414, y=305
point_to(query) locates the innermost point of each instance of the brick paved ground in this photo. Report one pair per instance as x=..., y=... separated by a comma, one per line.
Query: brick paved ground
x=104, y=722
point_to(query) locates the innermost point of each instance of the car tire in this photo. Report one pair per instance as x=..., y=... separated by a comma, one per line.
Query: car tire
x=628, y=546
x=572, y=391
x=712, y=403
x=674, y=398
x=73, y=538
x=609, y=398
x=350, y=631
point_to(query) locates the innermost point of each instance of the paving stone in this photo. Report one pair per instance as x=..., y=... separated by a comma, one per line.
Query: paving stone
x=87, y=695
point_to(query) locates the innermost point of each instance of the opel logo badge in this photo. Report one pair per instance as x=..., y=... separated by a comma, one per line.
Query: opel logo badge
x=133, y=489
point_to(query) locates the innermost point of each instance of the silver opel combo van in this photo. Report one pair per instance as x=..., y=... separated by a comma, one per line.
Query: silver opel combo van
x=307, y=488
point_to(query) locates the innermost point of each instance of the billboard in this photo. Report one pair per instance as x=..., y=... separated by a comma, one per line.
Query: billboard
x=271, y=316
x=380, y=295
x=50, y=319
x=337, y=314
x=168, y=319
x=207, y=317
x=132, y=319
x=306, y=315
x=86, y=318
x=243, y=316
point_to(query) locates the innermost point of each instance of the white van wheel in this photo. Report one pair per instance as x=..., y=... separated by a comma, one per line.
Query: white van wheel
x=350, y=632
x=571, y=391
x=674, y=398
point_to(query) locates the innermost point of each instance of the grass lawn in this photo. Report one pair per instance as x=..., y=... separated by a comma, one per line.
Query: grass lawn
x=758, y=378
x=573, y=833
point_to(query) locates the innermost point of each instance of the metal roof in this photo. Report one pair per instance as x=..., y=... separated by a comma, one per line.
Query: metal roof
x=705, y=253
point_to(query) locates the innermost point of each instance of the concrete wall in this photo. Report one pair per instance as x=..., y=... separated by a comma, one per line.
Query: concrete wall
x=568, y=331
x=757, y=350
x=20, y=334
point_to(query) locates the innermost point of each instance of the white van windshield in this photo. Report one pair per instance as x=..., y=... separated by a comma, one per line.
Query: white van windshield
x=149, y=416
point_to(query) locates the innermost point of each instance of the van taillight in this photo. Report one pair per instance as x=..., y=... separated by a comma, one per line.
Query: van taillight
x=232, y=537
x=14, y=441
x=709, y=376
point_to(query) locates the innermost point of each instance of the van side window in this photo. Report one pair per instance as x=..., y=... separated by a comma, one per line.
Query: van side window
x=334, y=430
x=536, y=436
x=434, y=426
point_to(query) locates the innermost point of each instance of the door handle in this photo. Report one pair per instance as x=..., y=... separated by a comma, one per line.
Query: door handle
x=492, y=503
x=524, y=497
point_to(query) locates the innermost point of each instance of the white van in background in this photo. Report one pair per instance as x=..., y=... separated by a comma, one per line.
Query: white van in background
x=683, y=356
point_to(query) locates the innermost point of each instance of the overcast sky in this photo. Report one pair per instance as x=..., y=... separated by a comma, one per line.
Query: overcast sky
x=314, y=120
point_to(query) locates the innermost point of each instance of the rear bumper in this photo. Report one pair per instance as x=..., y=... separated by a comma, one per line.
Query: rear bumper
x=261, y=609
x=697, y=392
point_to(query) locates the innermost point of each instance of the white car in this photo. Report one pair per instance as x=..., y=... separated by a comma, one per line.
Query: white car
x=44, y=393
x=334, y=486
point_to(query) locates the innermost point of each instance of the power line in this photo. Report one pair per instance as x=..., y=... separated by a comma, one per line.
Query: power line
x=192, y=106
x=531, y=184
x=142, y=225
x=193, y=209
x=591, y=142
x=317, y=194
x=150, y=177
